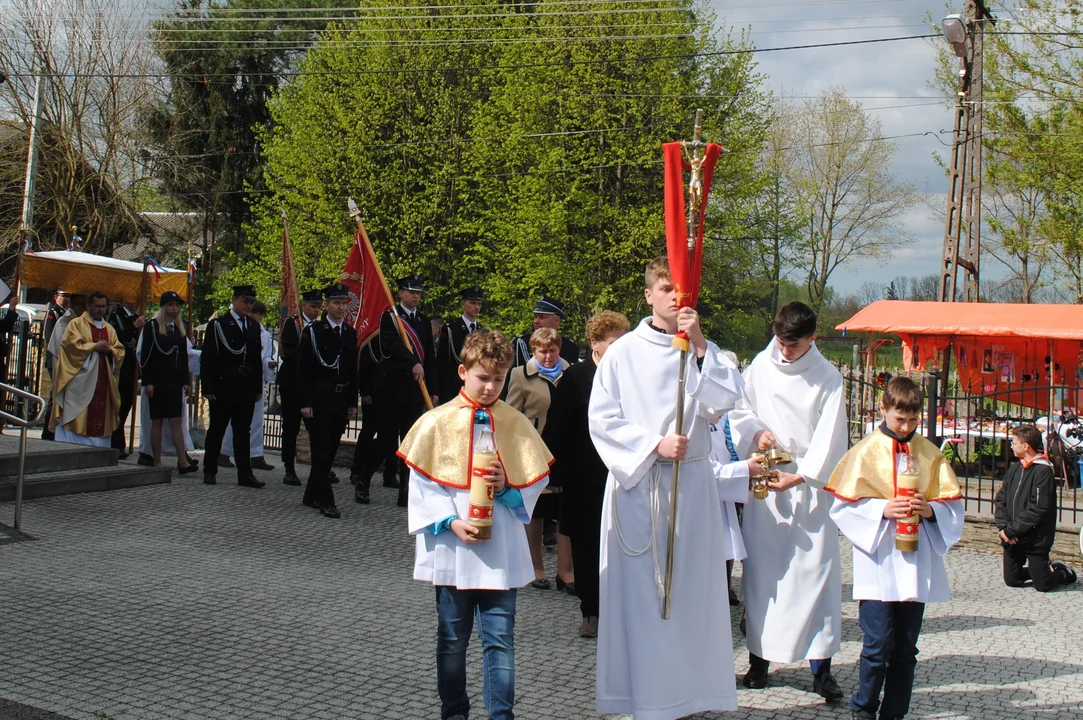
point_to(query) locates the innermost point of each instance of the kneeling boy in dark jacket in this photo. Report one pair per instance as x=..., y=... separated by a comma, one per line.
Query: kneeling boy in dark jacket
x=1026, y=515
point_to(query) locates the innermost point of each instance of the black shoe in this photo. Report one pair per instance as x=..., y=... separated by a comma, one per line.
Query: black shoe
x=361, y=494
x=330, y=511
x=825, y=686
x=223, y=461
x=565, y=587
x=209, y=479
x=861, y=715
x=402, y=502
x=332, y=477
x=755, y=679
x=291, y=478
x=355, y=478
x=309, y=503
x=251, y=482
x=542, y=584
x=1067, y=573
x=258, y=463
x=123, y=455
x=187, y=470
x=191, y=460
x=145, y=460
x=390, y=481
x=734, y=601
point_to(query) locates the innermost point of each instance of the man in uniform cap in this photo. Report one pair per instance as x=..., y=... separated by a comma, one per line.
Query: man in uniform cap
x=327, y=393
x=548, y=312
x=231, y=373
x=398, y=383
x=452, y=337
x=311, y=305
x=128, y=323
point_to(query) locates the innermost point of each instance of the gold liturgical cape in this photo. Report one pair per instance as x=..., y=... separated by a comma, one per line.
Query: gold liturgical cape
x=440, y=444
x=867, y=470
x=76, y=380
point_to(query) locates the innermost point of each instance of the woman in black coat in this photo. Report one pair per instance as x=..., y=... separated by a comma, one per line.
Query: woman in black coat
x=578, y=468
x=163, y=359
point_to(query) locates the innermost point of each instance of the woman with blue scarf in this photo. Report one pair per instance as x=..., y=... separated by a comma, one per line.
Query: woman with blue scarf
x=530, y=391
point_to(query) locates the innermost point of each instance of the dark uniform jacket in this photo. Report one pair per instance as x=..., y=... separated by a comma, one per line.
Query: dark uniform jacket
x=164, y=358
x=394, y=375
x=369, y=359
x=231, y=363
x=1025, y=506
x=52, y=315
x=287, y=352
x=327, y=369
x=124, y=323
x=452, y=337
x=569, y=350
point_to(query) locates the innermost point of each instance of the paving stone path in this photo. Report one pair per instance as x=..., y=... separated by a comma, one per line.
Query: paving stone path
x=191, y=601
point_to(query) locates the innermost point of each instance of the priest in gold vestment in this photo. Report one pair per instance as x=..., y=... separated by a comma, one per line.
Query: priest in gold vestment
x=86, y=409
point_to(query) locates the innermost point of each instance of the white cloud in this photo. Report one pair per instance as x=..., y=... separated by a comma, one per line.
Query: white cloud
x=891, y=79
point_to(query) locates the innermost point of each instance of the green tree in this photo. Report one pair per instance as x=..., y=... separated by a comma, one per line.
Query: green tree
x=850, y=201
x=224, y=61
x=531, y=161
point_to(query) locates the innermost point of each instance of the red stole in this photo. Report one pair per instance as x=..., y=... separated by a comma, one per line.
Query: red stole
x=96, y=411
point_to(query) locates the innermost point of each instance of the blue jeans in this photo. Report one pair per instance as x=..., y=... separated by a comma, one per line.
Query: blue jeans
x=889, y=656
x=495, y=612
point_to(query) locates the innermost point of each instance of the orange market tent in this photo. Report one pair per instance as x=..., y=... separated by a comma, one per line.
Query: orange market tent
x=82, y=273
x=997, y=346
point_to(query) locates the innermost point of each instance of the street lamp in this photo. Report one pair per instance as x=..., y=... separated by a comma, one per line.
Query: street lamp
x=955, y=32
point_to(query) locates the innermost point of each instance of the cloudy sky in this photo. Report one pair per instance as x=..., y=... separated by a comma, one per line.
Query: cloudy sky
x=892, y=81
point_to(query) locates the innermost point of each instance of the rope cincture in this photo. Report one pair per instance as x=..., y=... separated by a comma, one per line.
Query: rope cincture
x=220, y=340
x=319, y=356
x=654, y=484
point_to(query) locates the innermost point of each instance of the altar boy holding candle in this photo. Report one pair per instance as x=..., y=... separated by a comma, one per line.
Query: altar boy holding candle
x=898, y=502
x=472, y=574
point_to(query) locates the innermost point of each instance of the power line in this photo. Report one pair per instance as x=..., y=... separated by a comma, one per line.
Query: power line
x=522, y=66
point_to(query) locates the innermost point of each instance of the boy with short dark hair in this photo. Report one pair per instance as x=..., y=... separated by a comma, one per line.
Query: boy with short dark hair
x=898, y=502
x=474, y=575
x=1025, y=509
x=795, y=401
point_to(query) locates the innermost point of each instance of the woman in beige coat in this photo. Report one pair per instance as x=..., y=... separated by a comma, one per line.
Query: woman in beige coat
x=530, y=391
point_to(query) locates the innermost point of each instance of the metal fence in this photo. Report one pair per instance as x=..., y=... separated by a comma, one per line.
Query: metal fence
x=25, y=361
x=974, y=431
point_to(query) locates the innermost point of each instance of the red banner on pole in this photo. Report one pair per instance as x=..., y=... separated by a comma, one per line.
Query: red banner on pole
x=368, y=300
x=289, y=303
x=685, y=262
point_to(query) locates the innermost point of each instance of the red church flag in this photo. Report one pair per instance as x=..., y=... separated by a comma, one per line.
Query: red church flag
x=288, y=300
x=685, y=263
x=368, y=300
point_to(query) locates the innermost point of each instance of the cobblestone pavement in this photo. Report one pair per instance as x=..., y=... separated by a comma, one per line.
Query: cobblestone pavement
x=189, y=601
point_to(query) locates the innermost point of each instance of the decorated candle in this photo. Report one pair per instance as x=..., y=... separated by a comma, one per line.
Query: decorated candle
x=906, y=485
x=481, y=495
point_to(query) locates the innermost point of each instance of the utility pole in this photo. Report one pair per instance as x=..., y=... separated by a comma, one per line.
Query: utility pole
x=31, y=164
x=962, y=228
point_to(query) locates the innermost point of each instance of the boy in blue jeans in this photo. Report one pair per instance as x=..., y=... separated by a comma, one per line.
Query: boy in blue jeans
x=475, y=577
x=898, y=502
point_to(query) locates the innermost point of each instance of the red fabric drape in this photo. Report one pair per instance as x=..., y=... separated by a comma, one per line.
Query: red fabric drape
x=368, y=300
x=685, y=267
x=288, y=300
